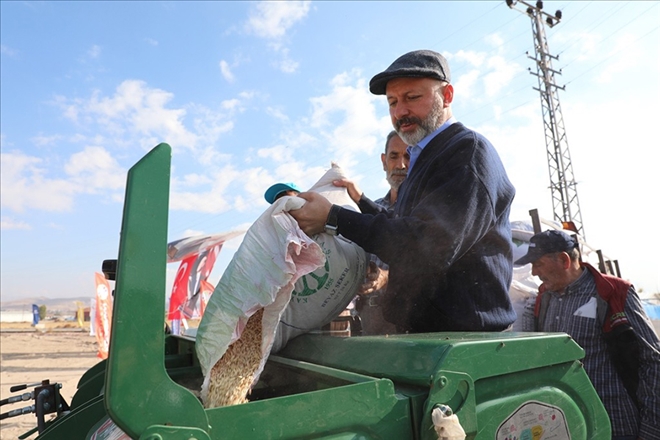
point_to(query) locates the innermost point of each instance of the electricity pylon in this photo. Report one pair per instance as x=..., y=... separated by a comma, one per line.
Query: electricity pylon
x=565, y=202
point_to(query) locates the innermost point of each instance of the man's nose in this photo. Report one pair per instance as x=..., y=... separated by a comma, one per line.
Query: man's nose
x=398, y=111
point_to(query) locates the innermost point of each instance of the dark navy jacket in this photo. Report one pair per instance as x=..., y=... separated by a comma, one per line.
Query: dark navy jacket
x=448, y=240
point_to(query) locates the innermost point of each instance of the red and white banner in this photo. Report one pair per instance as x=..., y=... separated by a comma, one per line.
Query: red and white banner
x=186, y=291
x=205, y=293
x=103, y=315
x=197, y=255
x=180, y=287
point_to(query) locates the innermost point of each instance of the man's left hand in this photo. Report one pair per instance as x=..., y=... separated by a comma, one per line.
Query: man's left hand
x=312, y=216
x=376, y=279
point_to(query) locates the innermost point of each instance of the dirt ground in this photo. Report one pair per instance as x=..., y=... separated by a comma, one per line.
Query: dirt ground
x=59, y=352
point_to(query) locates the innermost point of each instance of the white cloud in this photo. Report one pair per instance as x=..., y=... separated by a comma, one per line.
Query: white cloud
x=346, y=119
x=278, y=153
x=226, y=71
x=496, y=41
x=287, y=65
x=500, y=75
x=277, y=113
x=151, y=41
x=25, y=186
x=135, y=109
x=476, y=59
x=230, y=104
x=625, y=55
x=214, y=199
x=46, y=140
x=465, y=84
x=26, y=183
x=582, y=45
x=94, y=169
x=7, y=223
x=94, y=51
x=6, y=50
x=272, y=20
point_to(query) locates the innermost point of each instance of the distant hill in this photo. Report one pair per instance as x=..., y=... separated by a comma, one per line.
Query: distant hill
x=62, y=305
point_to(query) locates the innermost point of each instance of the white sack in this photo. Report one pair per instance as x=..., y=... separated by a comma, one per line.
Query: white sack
x=274, y=255
x=322, y=295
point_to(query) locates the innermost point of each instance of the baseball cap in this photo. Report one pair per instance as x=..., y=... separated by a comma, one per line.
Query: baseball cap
x=275, y=190
x=547, y=242
x=415, y=64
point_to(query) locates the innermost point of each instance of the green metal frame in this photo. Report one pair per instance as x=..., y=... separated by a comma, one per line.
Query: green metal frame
x=137, y=338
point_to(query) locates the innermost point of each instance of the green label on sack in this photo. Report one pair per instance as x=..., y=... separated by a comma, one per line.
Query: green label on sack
x=314, y=281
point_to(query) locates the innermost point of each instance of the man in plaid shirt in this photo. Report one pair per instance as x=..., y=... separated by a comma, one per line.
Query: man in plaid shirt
x=605, y=316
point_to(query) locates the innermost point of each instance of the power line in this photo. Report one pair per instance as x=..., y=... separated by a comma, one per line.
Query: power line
x=618, y=29
x=610, y=56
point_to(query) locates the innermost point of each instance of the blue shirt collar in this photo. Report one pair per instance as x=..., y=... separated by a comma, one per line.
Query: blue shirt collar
x=415, y=150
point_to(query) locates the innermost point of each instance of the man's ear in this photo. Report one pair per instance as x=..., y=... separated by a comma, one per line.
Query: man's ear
x=383, y=158
x=448, y=94
x=565, y=260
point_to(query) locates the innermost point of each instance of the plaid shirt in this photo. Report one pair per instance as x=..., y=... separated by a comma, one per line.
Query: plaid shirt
x=587, y=332
x=385, y=201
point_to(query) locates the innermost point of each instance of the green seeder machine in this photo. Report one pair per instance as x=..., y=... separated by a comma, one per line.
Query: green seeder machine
x=501, y=386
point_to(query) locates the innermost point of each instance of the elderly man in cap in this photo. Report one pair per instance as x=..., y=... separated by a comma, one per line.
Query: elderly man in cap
x=448, y=240
x=604, y=315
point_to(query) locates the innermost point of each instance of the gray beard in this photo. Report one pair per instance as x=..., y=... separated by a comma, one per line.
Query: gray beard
x=424, y=127
x=394, y=184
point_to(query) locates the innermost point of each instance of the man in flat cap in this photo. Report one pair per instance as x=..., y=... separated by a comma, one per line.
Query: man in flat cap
x=448, y=240
x=604, y=315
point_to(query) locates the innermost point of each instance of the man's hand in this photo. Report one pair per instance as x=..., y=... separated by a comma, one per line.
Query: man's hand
x=312, y=216
x=354, y=192
x=376, y=279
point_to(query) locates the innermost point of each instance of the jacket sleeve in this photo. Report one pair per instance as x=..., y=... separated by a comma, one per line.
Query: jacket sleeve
x=649, y=369
x=454, y=212
x=368, y=206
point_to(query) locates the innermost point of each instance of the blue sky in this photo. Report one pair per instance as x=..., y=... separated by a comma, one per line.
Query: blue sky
x=249, y=93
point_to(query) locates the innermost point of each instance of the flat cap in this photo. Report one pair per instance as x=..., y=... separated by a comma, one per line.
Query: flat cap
x=415, y=64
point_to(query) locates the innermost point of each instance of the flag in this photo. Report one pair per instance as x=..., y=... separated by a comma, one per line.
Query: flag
x=80, y=313
x=205, y=293
x=103, y=316
x=35, y=314
x=180, y=287
x=197, y=256
x=195, y=270
x=184, y=248
x=92, y=317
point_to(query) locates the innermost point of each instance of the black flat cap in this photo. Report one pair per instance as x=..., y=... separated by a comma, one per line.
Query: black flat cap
x=415, y=64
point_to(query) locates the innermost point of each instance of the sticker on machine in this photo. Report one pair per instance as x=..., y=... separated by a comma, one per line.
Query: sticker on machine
x=108, y=431
x=534, y=421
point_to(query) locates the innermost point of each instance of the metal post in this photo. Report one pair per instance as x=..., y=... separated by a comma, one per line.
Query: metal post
x=565, y=203
x=601, y=261
x=536, y=222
